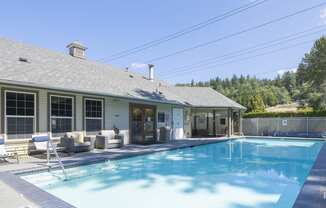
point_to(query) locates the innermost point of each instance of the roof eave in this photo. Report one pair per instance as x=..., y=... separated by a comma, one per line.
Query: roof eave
x=205, y=106
x=41, y=86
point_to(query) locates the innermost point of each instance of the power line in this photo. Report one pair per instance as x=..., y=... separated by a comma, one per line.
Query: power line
x=184, y=31
x=247, y=58
x=255, y=48
x=272, y=71
x=236, y=34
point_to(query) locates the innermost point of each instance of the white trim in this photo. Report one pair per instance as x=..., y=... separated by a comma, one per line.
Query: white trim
x=12, y=116
x=94, y=118
x=63, y=117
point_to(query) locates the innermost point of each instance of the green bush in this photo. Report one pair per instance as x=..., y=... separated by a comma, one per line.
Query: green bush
x=285, y=114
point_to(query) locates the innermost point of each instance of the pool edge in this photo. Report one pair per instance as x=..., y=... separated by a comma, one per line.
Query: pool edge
x=38, y=196
x=313, y=191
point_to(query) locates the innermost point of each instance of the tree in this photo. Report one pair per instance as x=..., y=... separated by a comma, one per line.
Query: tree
x=192, y=83
x=313, y=66
x=312, y=73
x=256, y=104
x=289, y=81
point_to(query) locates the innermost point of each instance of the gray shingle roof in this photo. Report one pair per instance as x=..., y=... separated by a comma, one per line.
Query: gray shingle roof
x=204, y=97
x=56, y=70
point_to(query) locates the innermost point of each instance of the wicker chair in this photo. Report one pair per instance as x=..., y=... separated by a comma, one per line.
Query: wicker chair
x=74, y=142
x=107, y=139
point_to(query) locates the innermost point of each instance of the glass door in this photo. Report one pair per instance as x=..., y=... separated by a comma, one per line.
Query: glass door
x=149, y=125
x=143, y=125
x=136, y=125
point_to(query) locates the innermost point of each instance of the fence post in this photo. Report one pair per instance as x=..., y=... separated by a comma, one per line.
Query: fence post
x=257, y=127
x=307, y=126
x=278, y=126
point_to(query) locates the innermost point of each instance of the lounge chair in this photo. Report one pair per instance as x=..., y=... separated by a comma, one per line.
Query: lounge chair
x=74, y=142
x=4, y=155
x=108, y=139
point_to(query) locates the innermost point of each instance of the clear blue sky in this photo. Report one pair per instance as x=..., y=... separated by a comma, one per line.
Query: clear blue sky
x=108, y=27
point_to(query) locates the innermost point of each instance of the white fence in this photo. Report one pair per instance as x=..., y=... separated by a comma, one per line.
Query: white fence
x=292, y=127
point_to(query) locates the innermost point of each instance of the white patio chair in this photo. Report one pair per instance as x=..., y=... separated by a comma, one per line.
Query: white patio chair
x=4, y=155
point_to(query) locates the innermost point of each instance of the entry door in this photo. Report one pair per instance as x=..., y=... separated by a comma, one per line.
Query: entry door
x=177, y=123
x=142, y=120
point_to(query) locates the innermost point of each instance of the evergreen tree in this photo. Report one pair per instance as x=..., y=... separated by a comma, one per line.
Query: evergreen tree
x=256, y=104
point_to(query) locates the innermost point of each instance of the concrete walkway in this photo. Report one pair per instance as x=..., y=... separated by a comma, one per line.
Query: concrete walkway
x=10, y=198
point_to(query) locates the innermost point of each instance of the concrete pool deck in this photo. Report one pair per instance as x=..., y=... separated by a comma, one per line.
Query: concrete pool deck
x=313, y=192
x=16, y=192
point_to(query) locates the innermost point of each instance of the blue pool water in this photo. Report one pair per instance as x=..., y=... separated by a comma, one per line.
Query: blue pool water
x=241, y=173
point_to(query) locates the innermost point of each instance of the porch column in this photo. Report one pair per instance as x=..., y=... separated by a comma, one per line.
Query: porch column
x=214, y=123
x=240, y=123
x=229, y=122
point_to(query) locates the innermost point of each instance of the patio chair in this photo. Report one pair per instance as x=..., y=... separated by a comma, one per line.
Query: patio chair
x=107, y=139
x=164, y=134
x=74, y=142
x=4, y=155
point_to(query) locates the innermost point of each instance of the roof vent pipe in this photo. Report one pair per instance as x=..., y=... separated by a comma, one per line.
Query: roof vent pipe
x=151, y=72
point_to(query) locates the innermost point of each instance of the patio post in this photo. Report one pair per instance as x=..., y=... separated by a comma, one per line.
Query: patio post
x=229, y=122
x=240, y=123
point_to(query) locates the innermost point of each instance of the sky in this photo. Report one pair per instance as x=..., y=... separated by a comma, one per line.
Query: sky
x=108, y=27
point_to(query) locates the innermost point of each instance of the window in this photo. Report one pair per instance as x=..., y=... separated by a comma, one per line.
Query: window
x=61, y=118
x=222, y=121
x=19, y=114
x=161, y=117
x=93, y=114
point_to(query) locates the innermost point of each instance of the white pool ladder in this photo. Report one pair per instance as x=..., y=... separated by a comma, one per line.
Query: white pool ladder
x=51, y=146
x=43, y=142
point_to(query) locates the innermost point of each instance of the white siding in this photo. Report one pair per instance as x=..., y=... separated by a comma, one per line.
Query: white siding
x=79, y=113
x=116, y=111
x=168, y=115
x=118, y=116
x=43, y=111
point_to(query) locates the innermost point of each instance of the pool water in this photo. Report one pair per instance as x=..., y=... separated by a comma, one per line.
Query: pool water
x=240, y=173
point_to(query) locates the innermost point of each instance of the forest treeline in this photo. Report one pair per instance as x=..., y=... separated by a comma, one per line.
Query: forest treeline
x=305, y=86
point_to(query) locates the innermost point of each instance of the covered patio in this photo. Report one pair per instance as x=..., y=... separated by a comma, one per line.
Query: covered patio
x=212, y=122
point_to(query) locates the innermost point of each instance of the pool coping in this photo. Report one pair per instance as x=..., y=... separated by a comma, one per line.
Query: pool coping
x=44, y=199
x=313, y=191
x=287, y=138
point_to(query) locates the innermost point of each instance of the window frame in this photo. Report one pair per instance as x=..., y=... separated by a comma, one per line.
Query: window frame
x=224, y=121
x=62, y=117
x=158, y=117
x=93, y=118
x=5, y=116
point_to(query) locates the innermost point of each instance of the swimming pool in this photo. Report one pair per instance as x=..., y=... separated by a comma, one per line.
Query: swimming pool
x=239, y=173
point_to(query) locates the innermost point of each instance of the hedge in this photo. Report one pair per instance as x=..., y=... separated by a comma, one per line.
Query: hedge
x=285, y=114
